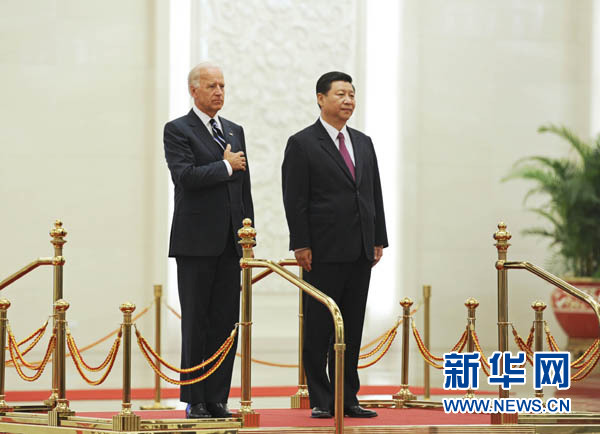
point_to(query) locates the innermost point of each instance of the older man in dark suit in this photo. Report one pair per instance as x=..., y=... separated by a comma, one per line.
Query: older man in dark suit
x=206, y=156
x=334, y=209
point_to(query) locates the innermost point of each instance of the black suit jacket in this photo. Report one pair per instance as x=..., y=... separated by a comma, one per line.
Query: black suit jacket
x=208, y=202
x=326, y=209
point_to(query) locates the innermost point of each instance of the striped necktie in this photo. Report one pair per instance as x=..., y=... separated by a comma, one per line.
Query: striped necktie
x=218, y=134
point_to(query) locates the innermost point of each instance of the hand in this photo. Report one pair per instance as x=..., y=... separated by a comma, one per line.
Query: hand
x=236, y=159
x=304, y=258
x=377, y=253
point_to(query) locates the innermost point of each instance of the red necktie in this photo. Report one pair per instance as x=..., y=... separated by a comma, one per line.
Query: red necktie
x=346, y=154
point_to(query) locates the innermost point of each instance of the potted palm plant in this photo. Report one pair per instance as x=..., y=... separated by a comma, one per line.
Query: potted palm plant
x=571, y=213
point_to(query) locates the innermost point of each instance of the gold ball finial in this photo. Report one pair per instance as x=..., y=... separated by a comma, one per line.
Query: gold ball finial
x=406, y=302
x=247, y=234
x=127, y=307
x=502, y=236
x=61, y=305
x=471, y=303
x=538, y=306
x=4, y=304
x=58, y=233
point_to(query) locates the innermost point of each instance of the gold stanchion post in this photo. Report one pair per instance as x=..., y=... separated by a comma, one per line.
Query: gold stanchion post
x=249, y=417
x=426, y=332
x=538, y=324
x=404, y=394
x=471, y=305
x=4, y=305
x=157, y=405
x=126, y=420
x=301, y=399
x=58, y=234
x=502, y=236
x=61, y=409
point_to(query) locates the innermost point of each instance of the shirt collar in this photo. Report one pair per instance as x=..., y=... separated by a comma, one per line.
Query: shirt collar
x=332, y=131
x=206, y=118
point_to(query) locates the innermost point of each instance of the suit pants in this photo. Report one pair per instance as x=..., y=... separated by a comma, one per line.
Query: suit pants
x=348, y=285
x=209, y=294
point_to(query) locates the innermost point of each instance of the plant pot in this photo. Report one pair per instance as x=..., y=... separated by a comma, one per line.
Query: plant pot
x=576, y=318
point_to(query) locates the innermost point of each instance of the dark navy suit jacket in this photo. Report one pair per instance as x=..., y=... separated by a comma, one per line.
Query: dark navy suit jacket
x=328, y=211
x=208, y=202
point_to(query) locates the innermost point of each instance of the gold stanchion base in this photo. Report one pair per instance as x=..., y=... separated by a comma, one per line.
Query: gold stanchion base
x=157, y=405
x=55, y=416
x=250, y=419
x=126, y=422
x=300, y=399
x=52, y=399
x=404, y=394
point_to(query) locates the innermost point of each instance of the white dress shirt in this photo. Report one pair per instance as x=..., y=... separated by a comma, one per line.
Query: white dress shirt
x=333, y=133
x=206, y=121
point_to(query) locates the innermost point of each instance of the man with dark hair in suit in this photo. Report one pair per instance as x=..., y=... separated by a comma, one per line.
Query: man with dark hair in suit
x=206, y=156
x=334, y=209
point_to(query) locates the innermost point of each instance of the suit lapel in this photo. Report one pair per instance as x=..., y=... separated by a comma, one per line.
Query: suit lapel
x=204, y=135
x=329, y=147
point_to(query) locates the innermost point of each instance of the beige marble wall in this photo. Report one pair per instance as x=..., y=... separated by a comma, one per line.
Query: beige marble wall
x=80, y=140
x=479, y=78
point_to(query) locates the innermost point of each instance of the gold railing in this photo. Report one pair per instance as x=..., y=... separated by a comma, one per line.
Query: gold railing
x=28, y=268
x=550, y=278
x=58, y=234
x=502, y=236
x=247, y=235
x=300, y=398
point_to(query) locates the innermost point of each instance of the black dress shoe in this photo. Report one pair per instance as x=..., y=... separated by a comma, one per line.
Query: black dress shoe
x=358, y=411
x=320, y=413
x=218, y=409
x=197, y=411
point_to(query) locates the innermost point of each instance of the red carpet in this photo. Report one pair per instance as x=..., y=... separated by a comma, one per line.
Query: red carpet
x=301, y=418
x=148, y=394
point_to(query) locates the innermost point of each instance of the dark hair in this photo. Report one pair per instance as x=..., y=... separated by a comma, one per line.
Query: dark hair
x=324, y=82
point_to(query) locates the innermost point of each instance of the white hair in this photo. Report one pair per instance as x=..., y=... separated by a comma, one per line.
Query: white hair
x=194, y=75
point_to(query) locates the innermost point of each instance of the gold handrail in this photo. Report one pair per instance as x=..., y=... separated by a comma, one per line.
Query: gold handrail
x=284, y=262
x=56, y=260
x=275, y=267
x=247, y=234
x=300, y=399
x=550, y=278
x=338, y=324
x=57, y=234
